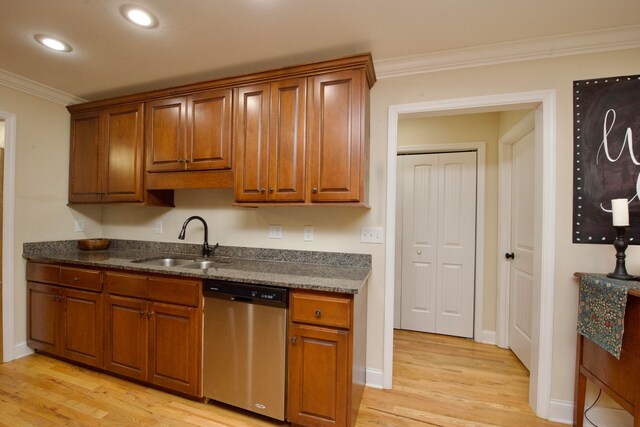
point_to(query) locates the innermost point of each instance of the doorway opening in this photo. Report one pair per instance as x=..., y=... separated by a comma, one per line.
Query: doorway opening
x=544, y=228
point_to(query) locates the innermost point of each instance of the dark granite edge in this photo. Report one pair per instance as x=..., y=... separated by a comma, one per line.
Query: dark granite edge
x=338, y=259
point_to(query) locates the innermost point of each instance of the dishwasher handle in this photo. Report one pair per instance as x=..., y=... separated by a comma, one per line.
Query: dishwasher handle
x=241, y=299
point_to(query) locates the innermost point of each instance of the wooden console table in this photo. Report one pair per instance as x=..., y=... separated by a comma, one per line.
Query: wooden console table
x=620, y=379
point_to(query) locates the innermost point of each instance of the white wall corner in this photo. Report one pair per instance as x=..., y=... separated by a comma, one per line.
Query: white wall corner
x=487, y=337
x=21, y=350
x=374, y=378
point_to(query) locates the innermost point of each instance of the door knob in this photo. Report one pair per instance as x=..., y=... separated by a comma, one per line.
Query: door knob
x=509, y=255
x=419, y=252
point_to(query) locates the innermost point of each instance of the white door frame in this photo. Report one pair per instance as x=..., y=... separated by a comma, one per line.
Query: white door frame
x=505, y=144
x=480, y=149
x=544, y=228
x=8, y=201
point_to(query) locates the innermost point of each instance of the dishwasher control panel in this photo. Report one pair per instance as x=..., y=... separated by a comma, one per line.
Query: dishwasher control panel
x=246, y=292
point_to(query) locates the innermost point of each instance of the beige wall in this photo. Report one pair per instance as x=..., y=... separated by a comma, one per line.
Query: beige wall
x=556, y=74
x=42, y=214
x=41, y=179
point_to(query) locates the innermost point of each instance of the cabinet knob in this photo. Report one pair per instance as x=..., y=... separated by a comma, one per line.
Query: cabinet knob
x=142, y=313
x=150, y=314
x=314, y=190
x=262, y=190
x=270, y=190
x=294, y=340
x=76, y=279
x=419, y=252
x=318, y=313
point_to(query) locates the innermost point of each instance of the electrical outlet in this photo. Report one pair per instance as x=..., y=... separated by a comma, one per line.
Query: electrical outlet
x=308, y=233
x=371, y=235
x=158, y=227
x=275, y=232
x=79, y=224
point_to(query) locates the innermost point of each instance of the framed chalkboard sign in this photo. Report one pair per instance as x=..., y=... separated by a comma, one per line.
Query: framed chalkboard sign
x=606, y=156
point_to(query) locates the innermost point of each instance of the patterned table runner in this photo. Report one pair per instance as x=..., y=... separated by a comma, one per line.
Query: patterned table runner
x=601, y=310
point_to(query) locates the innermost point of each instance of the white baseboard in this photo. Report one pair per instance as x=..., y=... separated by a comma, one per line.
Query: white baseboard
x=487, y=337
x=374, y=378
x=21, y=350
x=562, y=412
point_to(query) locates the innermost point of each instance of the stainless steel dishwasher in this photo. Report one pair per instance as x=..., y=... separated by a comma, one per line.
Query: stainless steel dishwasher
x=244, y=351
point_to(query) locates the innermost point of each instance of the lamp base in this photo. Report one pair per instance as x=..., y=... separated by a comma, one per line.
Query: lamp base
x=621, y=276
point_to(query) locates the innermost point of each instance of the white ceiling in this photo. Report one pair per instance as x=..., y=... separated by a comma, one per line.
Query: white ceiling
x=205, y=39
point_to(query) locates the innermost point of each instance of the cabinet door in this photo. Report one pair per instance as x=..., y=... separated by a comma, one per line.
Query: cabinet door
x=44, y=317
x=287, y=141
x=82, y=327
x=123, y=151
x=126, y=345
x=85, y=176
x=336, y=136
x=165, y=134
x=251, y=142
x=209, y=130
x=318, y=376
x=175, y=340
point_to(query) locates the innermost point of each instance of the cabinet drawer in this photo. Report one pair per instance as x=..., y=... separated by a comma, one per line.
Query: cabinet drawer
x=43, y=273
x=131, y=285
x=175, y=291
x=81, y=278
x=321, y=309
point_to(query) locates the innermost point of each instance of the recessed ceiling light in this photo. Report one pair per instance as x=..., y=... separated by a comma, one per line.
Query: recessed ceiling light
x=139, y=16
x=53, y=43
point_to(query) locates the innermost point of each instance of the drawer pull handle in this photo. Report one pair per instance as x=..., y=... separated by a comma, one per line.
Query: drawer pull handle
x=150, y=314
x=318, y=313
x=76, y=278
x=142, y=313
x=294, y=340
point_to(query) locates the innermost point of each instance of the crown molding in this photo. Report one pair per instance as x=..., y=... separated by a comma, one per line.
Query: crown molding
x=31, y=87
x=515, y=51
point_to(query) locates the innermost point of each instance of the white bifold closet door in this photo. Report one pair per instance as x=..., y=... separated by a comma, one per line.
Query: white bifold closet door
x=438, y=249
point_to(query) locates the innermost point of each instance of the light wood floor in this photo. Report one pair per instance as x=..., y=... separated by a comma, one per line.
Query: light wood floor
x=438, y=381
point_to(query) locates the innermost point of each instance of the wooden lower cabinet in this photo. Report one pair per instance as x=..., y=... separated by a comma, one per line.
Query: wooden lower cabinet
x=153, y=342
x=66, y=322
x=318, y=376
x=129, y=328
x=327, y=357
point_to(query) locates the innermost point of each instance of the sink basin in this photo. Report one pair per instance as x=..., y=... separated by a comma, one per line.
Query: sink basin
x=204, y=264
x=165, y=261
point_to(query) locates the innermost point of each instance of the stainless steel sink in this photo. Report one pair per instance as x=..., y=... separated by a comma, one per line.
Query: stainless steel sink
x=209, y=263
x=165, y=261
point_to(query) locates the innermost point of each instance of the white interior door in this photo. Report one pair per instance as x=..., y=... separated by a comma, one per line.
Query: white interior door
x=438, y=250
x=522, y=248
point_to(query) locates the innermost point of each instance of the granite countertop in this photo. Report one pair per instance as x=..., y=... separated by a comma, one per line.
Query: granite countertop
x=324, y=271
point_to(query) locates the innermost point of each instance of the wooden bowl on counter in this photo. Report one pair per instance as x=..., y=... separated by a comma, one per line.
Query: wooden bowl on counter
x=93, y=244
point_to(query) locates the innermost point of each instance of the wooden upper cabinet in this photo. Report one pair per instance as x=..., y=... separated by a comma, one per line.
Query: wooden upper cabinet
x=337, y=137
x=165, y=133
x=190, y=132
x=251, y=142
x=270, y=142
x=287, y=140
x=107, y=155
x=85, y=175
x=209, y=130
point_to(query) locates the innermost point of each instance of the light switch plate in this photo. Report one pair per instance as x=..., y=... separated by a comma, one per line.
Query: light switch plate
x=308, y=233
x=158, y=227
x=79, y=224
x=372, y=235
x=275, y=232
